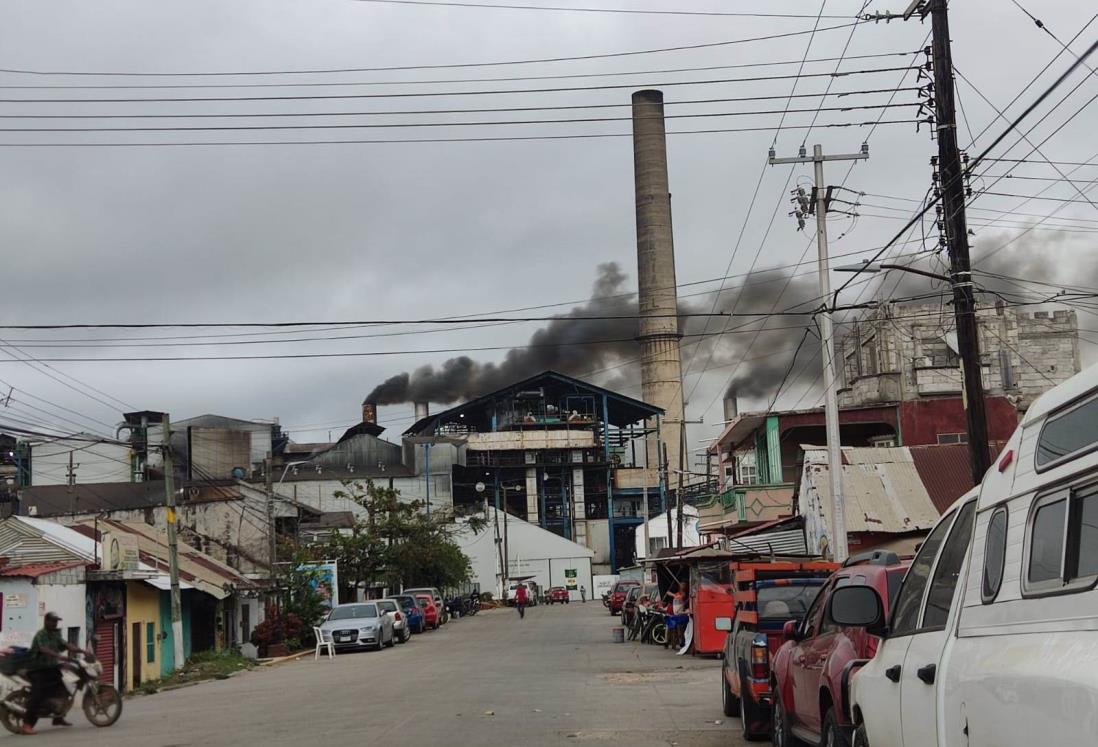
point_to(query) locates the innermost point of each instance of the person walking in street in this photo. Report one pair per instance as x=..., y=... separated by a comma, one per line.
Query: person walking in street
x=44, y=671
x=583, y=594
x=521, y=598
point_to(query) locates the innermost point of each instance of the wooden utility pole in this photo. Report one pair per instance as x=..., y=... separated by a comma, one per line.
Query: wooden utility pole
x=173, y=545
x=960, y=265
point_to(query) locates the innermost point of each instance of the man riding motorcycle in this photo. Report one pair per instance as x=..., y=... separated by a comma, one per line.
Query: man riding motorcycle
x=44, y=670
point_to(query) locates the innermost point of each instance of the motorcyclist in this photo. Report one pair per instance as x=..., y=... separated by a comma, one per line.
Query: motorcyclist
x=44, y=670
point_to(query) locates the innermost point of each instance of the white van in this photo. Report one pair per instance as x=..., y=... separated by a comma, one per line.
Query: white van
x=993, y=639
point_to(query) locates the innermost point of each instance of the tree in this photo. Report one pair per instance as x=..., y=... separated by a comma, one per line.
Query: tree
x=397, y=544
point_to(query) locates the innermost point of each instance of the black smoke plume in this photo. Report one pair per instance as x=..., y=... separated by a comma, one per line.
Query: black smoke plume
x=716, y=344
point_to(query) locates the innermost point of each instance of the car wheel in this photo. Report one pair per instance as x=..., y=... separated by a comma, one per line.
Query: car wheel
x=832, y=735
x=861, y=739
x=781, y=732
x=748, y=716
x=729, y=702
x=392, y=638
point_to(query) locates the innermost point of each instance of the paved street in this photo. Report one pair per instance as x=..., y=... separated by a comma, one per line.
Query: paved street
x=553, y=679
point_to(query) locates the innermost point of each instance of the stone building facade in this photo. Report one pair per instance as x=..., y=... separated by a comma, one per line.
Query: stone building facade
x=900, y=353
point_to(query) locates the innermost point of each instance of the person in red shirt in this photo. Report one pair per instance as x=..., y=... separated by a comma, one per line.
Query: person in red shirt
x=521, y=599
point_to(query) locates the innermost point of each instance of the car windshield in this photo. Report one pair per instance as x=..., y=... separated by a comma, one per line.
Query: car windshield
x=388, y=605
x=788, y=602
x=353, y=611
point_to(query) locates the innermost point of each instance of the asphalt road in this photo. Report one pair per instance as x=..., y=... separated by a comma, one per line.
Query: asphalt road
x=554, y=678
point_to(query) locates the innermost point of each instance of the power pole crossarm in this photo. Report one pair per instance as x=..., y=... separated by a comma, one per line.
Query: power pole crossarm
x=839, y=542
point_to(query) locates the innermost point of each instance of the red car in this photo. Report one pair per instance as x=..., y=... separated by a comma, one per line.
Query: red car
x=558, y=594
x=430, y=610
x=616, y=598
x=811, y=672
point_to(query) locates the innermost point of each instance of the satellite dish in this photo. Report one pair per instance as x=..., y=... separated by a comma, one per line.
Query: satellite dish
x=479, y=487
x=239, y=473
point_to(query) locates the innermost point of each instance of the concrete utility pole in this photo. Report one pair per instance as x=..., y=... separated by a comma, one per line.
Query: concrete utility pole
x=665, y=482
x=960, y=266
x=840, y=549
x=173, y=545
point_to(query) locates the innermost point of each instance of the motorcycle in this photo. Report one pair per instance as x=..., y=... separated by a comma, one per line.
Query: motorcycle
x=101, y=703
x=456, y=607
x=473, y=604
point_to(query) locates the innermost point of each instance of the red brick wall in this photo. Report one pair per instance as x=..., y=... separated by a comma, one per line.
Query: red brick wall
x=922, y=420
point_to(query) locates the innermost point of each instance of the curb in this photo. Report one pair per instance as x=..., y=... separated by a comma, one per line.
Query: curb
x=284, y=659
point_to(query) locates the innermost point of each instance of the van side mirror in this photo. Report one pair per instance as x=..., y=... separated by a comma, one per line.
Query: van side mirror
x=723, y=623
x=789, y=631
x=857, y=607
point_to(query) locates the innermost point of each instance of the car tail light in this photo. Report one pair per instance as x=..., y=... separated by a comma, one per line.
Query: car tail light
x=760, y=661
x=398, y=616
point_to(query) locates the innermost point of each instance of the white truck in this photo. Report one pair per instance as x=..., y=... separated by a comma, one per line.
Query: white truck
x=993, y=638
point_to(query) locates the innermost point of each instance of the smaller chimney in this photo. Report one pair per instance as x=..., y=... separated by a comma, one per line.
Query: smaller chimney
x=731, y=408
x=369, y=412
x=422, y=410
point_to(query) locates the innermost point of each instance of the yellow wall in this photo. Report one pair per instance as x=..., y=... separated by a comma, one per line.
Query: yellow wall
x=142, y=606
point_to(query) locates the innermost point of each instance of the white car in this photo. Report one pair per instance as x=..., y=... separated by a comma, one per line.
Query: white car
x=358, y=625
x=993, y=639
x=400, y=622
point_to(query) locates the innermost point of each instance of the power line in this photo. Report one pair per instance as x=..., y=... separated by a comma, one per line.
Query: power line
x=439, y=81
x=401, y=125
x=489, y=110
x=317, y=71
x=421, y=141
x=435, y=94
x=574, y=9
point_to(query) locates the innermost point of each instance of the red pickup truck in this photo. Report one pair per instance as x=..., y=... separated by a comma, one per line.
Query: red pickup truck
x=765, y=596
x=811, y=672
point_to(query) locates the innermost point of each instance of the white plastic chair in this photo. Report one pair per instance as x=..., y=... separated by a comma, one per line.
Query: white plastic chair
x=322, y=644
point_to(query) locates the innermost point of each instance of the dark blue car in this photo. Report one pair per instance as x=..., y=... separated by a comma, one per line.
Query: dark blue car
x=410, y=607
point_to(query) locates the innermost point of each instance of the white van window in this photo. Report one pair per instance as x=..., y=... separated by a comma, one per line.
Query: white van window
x=1068, y=433
x=905, y=615
x=1046, y=544
x=994, y=555
x=1063, y=542
x=940, y=597
x=1085, y=523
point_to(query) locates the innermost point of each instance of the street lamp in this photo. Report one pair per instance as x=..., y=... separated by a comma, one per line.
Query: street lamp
x=871, y=268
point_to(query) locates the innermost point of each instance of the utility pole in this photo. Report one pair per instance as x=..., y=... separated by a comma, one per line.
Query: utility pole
x=960, y=265
x=840, y=549
x=173, y=545
x=71, y=479
x=682, y=475
x=665, y=481
x=273, y=548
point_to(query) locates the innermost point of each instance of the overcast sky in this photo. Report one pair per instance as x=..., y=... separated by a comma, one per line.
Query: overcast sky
x=368, y=231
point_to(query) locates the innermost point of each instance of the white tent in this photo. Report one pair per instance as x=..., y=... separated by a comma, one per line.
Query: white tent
x=532, y=552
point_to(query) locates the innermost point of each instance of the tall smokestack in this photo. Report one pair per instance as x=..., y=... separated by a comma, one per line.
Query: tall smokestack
x=422, y=410
x=661, y=365
x=369, y=412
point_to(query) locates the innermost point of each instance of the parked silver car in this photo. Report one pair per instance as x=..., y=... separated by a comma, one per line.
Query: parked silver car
x=400, y=622
x=359, y=625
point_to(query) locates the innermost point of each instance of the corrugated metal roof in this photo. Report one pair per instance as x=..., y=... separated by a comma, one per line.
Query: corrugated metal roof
x=778, y=542
x=945, y=471
x=882, y=490
x=35, y=570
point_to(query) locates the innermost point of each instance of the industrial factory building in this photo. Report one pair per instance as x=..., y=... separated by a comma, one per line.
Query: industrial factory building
x=558, y=453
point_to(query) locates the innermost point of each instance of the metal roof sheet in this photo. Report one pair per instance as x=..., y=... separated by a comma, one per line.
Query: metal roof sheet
x=882, y=490
x=945, y=471
x=34, y=570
